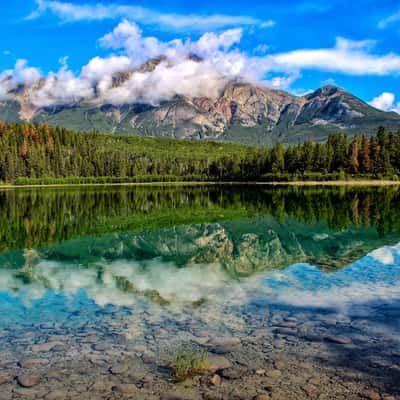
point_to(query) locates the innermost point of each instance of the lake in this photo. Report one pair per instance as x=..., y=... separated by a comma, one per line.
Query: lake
x=284, y=293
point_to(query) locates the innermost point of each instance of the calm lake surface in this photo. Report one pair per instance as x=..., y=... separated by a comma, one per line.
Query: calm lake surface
x=292, y=292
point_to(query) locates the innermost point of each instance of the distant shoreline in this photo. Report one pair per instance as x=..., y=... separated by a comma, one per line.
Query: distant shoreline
x=290, y=183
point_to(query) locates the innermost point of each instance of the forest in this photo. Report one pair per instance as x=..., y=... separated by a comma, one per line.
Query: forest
x=41, y=154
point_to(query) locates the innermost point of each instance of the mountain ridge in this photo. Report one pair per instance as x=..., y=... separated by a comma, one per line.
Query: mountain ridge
x=242, y=113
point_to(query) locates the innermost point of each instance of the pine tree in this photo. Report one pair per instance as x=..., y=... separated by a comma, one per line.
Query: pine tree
x=354, y=162
x=365, y=155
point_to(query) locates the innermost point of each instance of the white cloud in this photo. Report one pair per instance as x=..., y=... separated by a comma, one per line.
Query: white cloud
x=24, y=74
x=187, y=78
x=99, y=68
x=283, y=82
x=262, y=48
x=346, y=57
x=21, y=74
x=61, y=88
x=210, y=42
x=177, y=73
x=386, y=102
x=69, y=12
x=391, y=19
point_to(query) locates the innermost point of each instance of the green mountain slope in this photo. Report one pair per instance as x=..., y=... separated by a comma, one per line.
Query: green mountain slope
x=242, y=113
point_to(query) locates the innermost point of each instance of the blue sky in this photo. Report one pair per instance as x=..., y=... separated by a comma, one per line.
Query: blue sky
x=296, y=42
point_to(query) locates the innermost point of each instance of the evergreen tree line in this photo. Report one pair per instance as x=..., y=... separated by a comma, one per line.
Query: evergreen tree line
x=39, y=153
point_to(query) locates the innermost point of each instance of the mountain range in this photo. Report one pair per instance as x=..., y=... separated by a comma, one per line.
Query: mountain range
x=241, y=113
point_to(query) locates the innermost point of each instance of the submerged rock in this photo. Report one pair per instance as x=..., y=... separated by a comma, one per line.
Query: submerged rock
x=28, y=381
x=216, y=363
x=33, y=363
x=125, y=388
x=4, y=378
x=338, y=339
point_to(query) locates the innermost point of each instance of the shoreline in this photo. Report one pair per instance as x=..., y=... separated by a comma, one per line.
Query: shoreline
x=214, y=183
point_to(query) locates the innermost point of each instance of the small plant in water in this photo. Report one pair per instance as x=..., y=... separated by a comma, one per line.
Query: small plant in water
x=186, y=364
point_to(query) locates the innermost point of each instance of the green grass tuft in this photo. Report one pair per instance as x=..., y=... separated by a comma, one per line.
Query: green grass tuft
x=186, y=364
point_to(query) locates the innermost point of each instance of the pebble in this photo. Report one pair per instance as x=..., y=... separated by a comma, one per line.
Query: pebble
x=4, y=378
x=274, y=374
x=56, y=395
x=315, y=380
x=230, y=373
x=279, y=344
x=45, y=347
x=263, y=396
x=28, y=381
x=285, y=331
x=215, y=363
x=33, y=363
x=215, y=380
x=125, y=388
x=372, y=395
x=101, y=347
x=309, y=389
x=118, y=369
x=99, y=386
x=287, y=324
x=338, y=339
x=260, y=372
x=223, y=345
x=261, y=332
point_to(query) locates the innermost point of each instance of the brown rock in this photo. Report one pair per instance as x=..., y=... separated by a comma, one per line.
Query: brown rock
x=262, y=396
x=274, y=374
x=260, y=372
x=315, y=380
x=372, y=395
x=28, y=380
x=215, y=380
x=4, y=378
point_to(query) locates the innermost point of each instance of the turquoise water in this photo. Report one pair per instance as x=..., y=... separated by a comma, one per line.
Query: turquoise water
x=171, y=264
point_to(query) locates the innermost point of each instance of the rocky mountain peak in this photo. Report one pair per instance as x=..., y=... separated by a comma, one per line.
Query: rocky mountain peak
x=241, y=112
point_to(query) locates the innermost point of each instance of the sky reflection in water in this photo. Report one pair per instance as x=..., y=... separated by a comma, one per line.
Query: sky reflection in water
x=212, y=269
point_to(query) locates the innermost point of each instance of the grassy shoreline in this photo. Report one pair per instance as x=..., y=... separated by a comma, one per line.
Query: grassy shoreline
x=374, y=182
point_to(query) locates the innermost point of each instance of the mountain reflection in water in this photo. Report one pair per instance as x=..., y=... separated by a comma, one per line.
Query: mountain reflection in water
x=198, y=245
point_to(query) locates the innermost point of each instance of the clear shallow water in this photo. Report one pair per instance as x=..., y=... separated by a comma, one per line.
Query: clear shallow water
x=145, y=271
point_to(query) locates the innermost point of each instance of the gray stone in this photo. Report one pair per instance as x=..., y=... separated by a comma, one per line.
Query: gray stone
x=215, y=363
x=48, y=346
x=29, y=363
x=338, y=339
x=119, y=369
x=274, y=374
x=125, y=388
x=230, y=373
x=28, y=380
x=4, y=378
x=56, y=395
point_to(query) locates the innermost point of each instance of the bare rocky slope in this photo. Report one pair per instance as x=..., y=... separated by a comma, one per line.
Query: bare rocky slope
x=241, y=113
